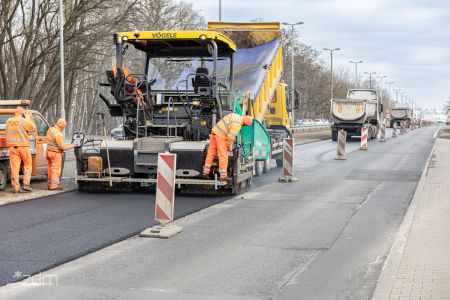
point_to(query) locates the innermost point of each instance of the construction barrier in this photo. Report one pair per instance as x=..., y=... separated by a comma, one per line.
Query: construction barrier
x=342, y=139
x=394, y=130
x=364, y=136
x=165, y=198
x=402, y=127
x=383, y=133
x=288, y=161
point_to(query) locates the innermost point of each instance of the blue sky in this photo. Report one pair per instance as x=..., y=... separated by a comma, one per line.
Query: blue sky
x=407, y=40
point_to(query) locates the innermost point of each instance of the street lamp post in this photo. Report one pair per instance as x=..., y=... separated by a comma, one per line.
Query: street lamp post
x=220, y=10
x=396, y=95
x=381, y=86
x=331, y=68
x=370, y=77
x=292, y=56
x=356, y=70
x=389, y=89
x=61, y=57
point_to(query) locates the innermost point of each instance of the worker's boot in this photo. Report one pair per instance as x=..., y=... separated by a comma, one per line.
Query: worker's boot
x=205, y=176
x=56, y=189
x=27, y=188
x=14, y=191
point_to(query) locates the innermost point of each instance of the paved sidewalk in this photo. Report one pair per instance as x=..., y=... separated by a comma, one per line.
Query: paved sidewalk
x=418, y=266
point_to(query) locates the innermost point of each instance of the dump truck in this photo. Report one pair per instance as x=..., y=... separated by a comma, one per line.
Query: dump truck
x=38, y=141
x=401, y=113
x=361, y=108
x=189, y=81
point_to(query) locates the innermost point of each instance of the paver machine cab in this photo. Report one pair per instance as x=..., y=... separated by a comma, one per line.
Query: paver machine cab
x=170, y=104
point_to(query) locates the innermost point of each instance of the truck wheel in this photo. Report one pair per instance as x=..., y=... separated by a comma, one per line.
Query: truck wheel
x=267, y=165
x=259, y=168
x=279, y=163
x=334, y=136
x=3, y=176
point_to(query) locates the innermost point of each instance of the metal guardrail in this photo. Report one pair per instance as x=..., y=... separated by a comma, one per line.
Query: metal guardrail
x=307, y=128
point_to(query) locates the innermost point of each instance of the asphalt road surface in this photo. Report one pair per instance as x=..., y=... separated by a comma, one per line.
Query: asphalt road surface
x=324, y=237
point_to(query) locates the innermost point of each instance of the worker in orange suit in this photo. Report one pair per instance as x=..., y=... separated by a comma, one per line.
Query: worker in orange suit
x=55, y=149
x=18, y=129
x=221, y=141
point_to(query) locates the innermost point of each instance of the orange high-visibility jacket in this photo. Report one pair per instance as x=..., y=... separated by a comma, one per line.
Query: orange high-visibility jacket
x=228, y=127
x=17, y=131
x=55, y=140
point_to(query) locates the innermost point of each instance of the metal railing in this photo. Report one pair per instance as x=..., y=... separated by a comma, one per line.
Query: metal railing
x=304, y=128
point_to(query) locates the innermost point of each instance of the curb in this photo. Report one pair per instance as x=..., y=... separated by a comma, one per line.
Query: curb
x=388, y=274
x=32, y=196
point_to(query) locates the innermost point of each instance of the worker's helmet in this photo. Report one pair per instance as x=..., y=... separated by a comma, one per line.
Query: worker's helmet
x=19, y=111
x=247, y=120
x=61, y=123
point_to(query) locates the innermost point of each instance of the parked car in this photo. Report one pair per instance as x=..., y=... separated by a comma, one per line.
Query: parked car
x=297, y=123
x=117, y=133
x=307, y=122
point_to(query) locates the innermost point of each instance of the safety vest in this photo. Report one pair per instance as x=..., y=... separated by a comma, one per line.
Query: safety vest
x=228, y=127
x=55, y=140
x=17, y=131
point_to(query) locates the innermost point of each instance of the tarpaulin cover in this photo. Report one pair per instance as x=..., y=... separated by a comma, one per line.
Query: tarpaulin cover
x=249, y=71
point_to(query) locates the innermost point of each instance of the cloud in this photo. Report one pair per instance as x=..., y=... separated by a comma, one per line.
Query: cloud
x=408, y=40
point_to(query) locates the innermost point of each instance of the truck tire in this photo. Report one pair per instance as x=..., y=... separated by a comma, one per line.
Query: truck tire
x=267, y=165
x=3, y=176
x=259, y=168
x=334, y=136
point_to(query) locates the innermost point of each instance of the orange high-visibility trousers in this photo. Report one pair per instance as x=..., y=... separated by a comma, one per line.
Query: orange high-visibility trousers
x=220, y=147
x=18, y=155
x=54, y=164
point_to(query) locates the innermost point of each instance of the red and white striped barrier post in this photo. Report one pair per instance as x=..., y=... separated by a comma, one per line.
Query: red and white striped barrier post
x=394, y=130
x=402, y=127
x=383, y=133
x=165, y=198
x=364, y=136
x=288, y=161
x=342, y=139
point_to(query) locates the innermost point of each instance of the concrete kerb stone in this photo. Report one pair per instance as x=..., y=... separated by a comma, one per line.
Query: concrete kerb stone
x=9, y=198
x=388, y=274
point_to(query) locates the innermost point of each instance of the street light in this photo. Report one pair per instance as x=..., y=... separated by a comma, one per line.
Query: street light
x=220, y=10
x=370, y=80
x=61, y=58
x=292, y=55
x=331, y=67
x=389, y=84
x=356, y=70
x=396, y=95
x=381, y=86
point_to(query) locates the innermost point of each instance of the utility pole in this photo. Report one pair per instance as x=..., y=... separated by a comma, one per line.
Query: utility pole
x=292, y=56
x=61, y=57
x=331, y=67
x=220, y=10
x=370, y=77
x=356, y=71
